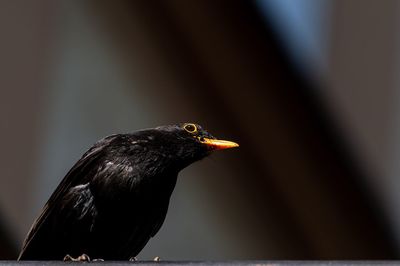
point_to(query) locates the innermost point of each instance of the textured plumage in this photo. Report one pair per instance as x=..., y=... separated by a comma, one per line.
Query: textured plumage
x=115, y=198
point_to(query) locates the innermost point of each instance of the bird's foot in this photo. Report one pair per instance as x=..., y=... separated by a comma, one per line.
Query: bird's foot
x=156, y=259
x=82, y=257
x=133, y=259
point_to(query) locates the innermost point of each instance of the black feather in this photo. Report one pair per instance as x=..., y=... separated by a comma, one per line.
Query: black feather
x=115, y=198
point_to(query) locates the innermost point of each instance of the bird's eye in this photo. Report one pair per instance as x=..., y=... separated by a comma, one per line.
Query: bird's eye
x=191, y=128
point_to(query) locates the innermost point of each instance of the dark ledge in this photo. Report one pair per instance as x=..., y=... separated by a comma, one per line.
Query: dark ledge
x=211, y=263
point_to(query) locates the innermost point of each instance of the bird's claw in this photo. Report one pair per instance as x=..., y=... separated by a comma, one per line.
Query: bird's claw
x=68, y=258
x=156, y=259
x=133, y=259
x=82, y=257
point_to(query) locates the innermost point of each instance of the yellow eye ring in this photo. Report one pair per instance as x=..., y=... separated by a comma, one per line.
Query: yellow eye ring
x=191, y=128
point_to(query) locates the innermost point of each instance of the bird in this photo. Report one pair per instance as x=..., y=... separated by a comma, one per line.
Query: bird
x=116, y=196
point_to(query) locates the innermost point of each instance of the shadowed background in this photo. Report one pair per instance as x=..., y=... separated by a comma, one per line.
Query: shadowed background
x=308, y=88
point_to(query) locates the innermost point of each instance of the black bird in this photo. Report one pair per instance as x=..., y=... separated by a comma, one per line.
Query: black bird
x=115, y=198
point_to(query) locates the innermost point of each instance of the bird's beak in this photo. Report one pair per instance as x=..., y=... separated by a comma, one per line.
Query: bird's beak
x=217, y=144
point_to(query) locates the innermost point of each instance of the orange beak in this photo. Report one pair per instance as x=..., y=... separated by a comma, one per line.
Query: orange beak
x=217, y=144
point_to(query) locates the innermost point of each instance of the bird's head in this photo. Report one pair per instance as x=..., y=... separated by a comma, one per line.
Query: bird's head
x=186, y=143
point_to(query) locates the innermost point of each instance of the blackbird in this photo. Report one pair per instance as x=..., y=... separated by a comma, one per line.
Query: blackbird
x=116, y=197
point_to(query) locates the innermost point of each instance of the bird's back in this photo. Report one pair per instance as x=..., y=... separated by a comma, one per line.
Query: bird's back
x=105, y=207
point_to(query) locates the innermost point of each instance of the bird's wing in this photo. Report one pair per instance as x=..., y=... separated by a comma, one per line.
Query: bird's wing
x=74, y=177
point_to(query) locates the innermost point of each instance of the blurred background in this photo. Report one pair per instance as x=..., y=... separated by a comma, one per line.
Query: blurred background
x=309, y=88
